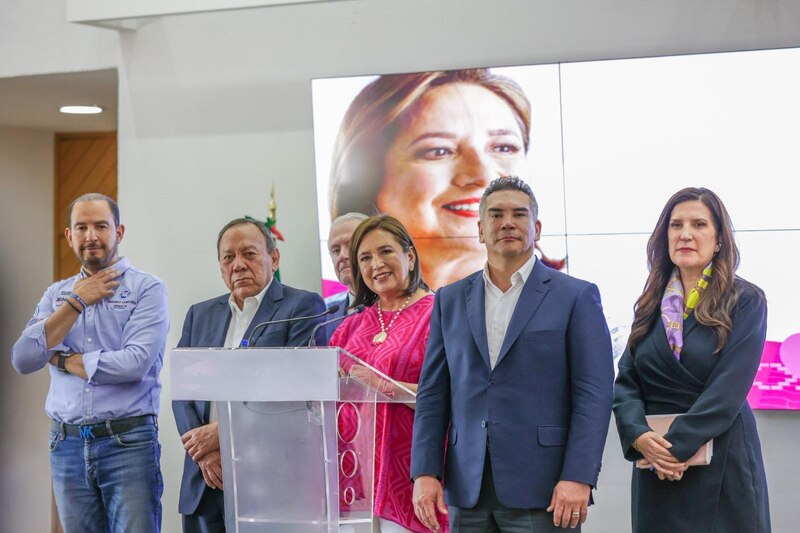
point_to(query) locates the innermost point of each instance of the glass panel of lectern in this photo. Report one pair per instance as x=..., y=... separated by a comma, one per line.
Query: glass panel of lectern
x=297, y=433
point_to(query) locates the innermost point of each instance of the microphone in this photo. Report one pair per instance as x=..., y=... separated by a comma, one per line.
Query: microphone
x=313, y=340
x=328, y=311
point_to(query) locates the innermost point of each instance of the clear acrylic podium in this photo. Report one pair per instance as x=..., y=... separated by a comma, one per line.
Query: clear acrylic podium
x=297, y=433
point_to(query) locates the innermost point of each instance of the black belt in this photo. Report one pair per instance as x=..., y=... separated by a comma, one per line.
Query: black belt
x=103, y=429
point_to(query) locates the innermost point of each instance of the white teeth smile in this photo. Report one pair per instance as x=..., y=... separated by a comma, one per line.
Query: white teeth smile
x=462, y=207
x=380, y=277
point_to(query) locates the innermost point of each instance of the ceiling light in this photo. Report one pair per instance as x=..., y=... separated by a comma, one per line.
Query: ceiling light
x=81, y=109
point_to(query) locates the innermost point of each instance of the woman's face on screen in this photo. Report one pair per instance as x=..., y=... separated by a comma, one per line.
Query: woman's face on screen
x=450, y=145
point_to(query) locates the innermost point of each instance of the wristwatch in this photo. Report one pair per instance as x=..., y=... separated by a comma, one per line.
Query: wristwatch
x=62, y=360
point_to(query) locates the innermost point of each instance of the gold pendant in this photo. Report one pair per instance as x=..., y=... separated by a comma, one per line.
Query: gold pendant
x=379, y=338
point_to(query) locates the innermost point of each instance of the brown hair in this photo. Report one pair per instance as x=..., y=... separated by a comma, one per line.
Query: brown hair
x=363, y=294
x=373, y=120
x=715, y=307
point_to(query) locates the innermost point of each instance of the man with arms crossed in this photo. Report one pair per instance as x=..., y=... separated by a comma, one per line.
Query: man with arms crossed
x=248, y=259
x=101, y=334
x=519, y=368
x=339, y=237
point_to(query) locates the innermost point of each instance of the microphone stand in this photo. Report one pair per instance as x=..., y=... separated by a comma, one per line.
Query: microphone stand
x=263, y=325
x=312, y=342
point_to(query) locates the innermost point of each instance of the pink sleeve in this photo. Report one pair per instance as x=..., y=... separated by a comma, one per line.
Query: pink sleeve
x=343, y=332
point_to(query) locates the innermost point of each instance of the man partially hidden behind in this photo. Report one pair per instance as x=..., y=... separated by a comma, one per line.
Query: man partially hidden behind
x=517, y=383
x=339, y=237
x=248, y=258
x=101, y=334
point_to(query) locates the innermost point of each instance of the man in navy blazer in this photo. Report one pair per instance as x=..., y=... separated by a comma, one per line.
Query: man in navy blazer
x=248, y=258
x=517, y=383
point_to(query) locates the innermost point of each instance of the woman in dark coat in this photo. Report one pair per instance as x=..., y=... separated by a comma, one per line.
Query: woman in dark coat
x=697, y=356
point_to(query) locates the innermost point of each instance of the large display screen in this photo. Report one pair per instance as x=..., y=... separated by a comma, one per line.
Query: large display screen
x=605, y=145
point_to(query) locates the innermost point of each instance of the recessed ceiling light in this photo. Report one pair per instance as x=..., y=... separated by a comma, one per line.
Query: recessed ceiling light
x=81, y=109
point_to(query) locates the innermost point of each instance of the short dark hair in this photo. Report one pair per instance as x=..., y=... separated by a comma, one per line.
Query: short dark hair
x=94, y=197
x=363, y=294
x=509, y=183
x=268, y=236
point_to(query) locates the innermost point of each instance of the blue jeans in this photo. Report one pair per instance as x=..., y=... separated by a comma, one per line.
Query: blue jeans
x=109, y=484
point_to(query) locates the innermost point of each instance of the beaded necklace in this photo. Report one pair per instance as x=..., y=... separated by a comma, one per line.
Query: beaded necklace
x=380, y=337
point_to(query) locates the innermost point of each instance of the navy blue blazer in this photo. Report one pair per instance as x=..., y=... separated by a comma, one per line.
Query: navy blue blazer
x=544, y=408
x=206, y=326
x=730, y=494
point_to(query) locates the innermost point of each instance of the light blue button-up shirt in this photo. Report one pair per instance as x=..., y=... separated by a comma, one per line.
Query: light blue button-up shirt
x=122, y=339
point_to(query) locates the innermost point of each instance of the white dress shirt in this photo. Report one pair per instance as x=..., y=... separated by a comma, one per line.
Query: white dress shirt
x=500, y=306
x=240, y=321
x=241, y=318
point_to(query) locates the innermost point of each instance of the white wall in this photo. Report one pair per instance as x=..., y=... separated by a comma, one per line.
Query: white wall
x=26, y=268
x=35, y=39
x=214, y=108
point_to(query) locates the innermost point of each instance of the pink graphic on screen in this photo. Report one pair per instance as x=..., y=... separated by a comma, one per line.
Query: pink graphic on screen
x=330, y=287
x=777, y=383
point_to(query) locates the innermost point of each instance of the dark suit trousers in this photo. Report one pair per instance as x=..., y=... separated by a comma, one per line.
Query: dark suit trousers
x=490, y=516
x=209, y=516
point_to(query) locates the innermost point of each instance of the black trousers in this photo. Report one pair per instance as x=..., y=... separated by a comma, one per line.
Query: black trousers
x=490, y=515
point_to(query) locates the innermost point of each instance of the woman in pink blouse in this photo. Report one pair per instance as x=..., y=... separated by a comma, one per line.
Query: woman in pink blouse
x=390, y=335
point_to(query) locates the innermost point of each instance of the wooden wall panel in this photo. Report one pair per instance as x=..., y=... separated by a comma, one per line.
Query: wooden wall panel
x=84, y=162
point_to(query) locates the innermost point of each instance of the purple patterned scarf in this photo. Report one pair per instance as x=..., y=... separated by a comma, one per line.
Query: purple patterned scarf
x=675, y=309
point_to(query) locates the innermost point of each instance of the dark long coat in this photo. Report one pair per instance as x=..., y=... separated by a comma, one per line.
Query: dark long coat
x=730, y=494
